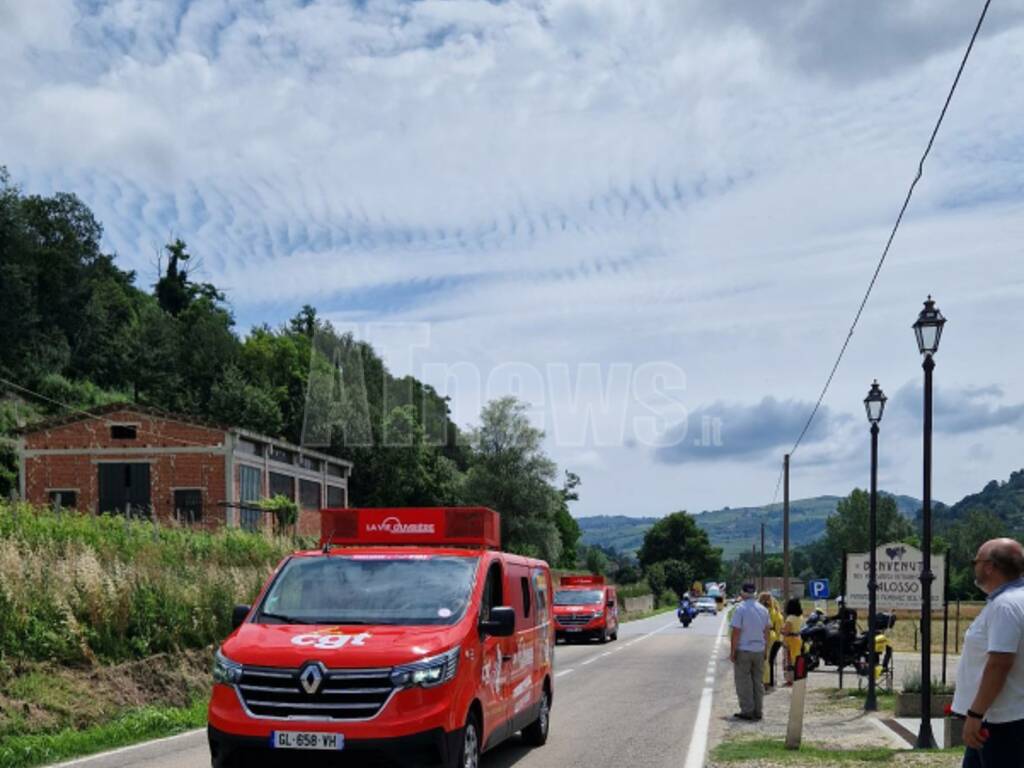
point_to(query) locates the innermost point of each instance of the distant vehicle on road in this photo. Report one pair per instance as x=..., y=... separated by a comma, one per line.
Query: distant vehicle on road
x=408, y=637
x=706, y=605
x=585, y=607
x=686, y=612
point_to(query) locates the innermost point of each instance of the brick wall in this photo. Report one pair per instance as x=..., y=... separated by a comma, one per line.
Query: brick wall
x=174, y=451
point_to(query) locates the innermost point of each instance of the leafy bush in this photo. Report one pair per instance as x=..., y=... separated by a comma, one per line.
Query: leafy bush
x=77, y=587
x=912, y=684
x=638, y=589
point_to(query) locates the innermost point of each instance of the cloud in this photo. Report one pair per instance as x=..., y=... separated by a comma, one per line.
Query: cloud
x=856, y=42
x=955, y=410
x=561, y=181
x=733, y=431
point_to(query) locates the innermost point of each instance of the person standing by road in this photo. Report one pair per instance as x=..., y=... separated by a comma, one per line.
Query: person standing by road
x=990, y=677
x=774, y=636
x=749, y=638
x=791, y=636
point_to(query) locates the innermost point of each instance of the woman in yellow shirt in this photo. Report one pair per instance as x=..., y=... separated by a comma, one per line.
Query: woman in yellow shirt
x=775, y=636
x=791, y=636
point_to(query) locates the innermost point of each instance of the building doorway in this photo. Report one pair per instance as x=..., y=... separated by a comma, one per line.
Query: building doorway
x=125, y=489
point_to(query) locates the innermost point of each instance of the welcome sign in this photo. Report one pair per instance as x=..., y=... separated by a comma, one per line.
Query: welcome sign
x=898, y=574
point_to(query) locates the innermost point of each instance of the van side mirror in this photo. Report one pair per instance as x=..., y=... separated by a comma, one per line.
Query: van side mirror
x=238, y=615
x=611, y=603
x=501, y=624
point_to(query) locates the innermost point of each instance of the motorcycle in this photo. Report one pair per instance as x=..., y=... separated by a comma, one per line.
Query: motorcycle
x=835, y=642
x=686, y=612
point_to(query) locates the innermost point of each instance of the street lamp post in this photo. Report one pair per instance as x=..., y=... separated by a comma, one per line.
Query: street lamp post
x=874, y=404
x=928, y=330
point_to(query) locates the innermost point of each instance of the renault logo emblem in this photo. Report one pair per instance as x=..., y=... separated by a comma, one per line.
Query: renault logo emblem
x=310, y=678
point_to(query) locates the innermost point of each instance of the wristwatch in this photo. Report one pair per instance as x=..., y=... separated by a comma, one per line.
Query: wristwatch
x=975, y=715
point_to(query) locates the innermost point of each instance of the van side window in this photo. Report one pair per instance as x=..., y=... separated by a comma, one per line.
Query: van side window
x=541, y=594
x=492, y=596
x=524, y=582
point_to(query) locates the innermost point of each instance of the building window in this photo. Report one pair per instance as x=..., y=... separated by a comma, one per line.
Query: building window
x=335, y=470
x=281, y=456
x=250, y=486
x=124, y=432
x=335, y=497
x=250, y=448
x=309, y=494
x=282, y=485
x=188, y=505
x=307, y=462
x=63, y=499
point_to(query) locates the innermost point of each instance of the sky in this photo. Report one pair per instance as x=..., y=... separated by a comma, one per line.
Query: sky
x=653, y=222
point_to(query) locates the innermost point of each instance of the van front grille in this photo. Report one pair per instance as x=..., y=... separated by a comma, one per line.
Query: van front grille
x=574, y=619
x=343, y=694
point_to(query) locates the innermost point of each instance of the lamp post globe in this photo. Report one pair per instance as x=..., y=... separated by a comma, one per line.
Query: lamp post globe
x=928, y=330
x=874, y=405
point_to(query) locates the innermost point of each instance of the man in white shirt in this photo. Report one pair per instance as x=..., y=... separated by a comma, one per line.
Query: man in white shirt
x=751, y=626
x=990, y=677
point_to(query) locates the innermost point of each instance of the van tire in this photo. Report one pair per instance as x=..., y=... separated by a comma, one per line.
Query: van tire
x=468, y=755
x=615, y=634
x=224, y=758
x=603, y=638
x=536, y=733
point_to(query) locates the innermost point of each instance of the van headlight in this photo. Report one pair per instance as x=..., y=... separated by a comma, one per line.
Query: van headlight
x=436, y=670
x=225, y=670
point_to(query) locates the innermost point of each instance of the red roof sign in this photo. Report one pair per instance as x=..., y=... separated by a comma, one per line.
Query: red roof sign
x=582, y=581
x=438, y=526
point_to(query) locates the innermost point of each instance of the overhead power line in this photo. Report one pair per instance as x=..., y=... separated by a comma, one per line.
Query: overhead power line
x=896, y=226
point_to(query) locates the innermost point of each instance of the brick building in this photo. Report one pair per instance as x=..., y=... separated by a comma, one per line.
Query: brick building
x=154, y=464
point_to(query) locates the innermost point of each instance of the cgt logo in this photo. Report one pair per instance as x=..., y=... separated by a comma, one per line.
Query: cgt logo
x=894, y=552
x=330, y=639
x=395, y=526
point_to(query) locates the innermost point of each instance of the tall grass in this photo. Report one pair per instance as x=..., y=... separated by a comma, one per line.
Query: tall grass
x=80, y=588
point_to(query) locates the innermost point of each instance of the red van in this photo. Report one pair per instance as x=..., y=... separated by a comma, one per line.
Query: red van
x=407, y=637
x=586, y=607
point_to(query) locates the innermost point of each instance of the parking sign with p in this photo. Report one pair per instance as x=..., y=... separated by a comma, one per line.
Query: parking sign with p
x=819, y=589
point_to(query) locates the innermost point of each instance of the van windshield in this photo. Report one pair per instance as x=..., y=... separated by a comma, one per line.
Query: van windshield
x=578, y=597
x=370, y=589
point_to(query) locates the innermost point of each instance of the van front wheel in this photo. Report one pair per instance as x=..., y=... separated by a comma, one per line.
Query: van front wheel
x=469, y=753
x=536, y=733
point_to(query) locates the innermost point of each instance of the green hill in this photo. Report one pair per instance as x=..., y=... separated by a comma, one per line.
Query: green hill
x=1004, y=500
x=733, y=529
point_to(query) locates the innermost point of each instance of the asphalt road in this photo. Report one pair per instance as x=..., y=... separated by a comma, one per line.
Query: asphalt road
x=630, y=702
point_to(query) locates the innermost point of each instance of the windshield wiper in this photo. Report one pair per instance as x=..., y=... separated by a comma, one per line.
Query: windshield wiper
x=284, y=619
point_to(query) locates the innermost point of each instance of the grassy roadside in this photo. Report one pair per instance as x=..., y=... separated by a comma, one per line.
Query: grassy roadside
x=773, y=752
x=838, y=707
x=131, y=727
x=51, y=711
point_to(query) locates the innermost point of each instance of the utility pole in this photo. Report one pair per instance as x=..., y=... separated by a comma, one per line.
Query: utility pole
x=762, y=557
x=785, y=528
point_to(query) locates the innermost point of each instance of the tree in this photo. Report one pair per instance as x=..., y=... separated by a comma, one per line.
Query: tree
x=678, y=537
x=234, y=401
x=596, y=561
x=511, y=473
x=568, y=529
x=847, y=530
x=172, y=289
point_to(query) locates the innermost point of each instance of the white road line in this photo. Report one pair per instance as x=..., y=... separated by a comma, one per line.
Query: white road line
x=699, y=738
x=589, y=661
x=84, y=761
x=564, y=672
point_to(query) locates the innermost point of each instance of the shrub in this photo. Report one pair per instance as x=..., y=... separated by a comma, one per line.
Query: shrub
x=77, y=587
